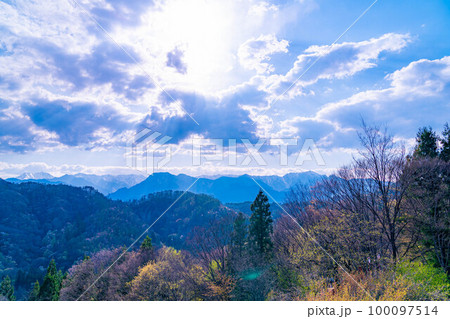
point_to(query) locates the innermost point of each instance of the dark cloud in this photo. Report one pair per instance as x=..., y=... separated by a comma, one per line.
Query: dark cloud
x=106, y=63
x=218, y=118
x=75, y=123
x=175, y=60
x=15, y=130
x=15, y=134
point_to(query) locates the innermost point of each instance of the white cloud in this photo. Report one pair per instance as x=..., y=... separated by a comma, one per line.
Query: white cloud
x=418, y=95
x=336, y=61
x=255, y=53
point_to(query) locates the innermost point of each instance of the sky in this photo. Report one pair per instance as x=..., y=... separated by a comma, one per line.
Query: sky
x=79, y=79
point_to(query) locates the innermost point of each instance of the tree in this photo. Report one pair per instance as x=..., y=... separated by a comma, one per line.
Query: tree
x=427, y=143
x=445, y=141
x=261, y=227
x=239, y=236
x=211, y=247
x=147, y=243
x=429, y=199
x=7, y=289
x=34, y=295
x=52, y=283
x=171, y=276
x=373, y=187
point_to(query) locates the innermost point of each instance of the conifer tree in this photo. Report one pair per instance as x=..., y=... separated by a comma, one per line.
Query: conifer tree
x=261, y=227
x=427, y=143
x=7, y=289
x=34, y=295
x=146, y=244
x=445, y=140
x=52, y=283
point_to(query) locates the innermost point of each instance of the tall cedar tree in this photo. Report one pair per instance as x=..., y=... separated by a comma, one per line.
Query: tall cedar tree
x=7, y=289
x=261, y=227
x=52, y=283
x=427, y=143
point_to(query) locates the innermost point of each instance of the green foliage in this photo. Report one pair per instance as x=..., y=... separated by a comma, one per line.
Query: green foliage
x=288, y=278
x=147, y=243
x=427, y=143
x=445, y=141
x=34, y=295
x=51, y=284
x=7, y=289
x=428, y=282
x=261, y=228
x=404, y=282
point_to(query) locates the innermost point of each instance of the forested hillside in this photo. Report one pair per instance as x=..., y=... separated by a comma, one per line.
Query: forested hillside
x=43, y=222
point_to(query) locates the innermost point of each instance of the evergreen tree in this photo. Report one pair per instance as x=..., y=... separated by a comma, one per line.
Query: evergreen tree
x=445, y=140
x=261, y=227
x=34, y=295
x=239, y=235
x=427, y=143
x=7, y=289
x=146, y=244
x=52, y=283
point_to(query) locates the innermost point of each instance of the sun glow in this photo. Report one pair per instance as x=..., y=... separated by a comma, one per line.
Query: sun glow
x=207, y=33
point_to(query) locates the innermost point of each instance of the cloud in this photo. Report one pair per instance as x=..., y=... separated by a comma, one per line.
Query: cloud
x=15, y=134
x=175, y=60
x=110, y=13
x=336, y=61
x=105, y=64
x=417, y=95
x=8, y=170
x=253, y=52
x=218, y=117
x=77, y=123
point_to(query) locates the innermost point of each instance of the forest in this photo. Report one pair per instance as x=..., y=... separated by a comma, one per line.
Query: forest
x=378, y=229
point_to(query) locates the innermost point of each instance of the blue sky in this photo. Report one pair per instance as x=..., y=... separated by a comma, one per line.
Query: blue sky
x=78, y=79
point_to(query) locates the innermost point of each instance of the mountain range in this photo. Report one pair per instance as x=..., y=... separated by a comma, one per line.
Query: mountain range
x=228, y=189
x=105, y=184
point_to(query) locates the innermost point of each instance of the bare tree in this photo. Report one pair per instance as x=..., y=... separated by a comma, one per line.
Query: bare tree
x=373, y=188
x=210, y=246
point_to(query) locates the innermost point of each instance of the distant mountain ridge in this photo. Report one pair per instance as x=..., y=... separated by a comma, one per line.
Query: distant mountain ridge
x=105, y=184
x=226, y=189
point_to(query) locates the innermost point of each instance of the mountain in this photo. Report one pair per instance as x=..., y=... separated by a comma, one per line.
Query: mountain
x=227, y=189
x=284, y=183
x=39, y=175
x=103, y=183
x=40, y=222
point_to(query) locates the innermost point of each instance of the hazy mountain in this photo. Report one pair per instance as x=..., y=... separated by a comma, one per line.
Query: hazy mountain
x=227, y=189
x=103, y=183
x=283, y=183
x=39, y=175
